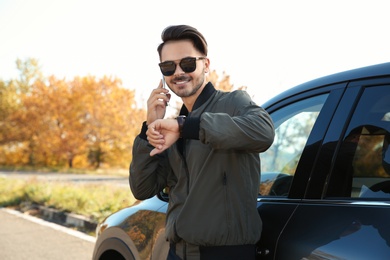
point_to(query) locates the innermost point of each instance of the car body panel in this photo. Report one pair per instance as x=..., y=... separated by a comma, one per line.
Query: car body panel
x=336, y=230
x=140, y=227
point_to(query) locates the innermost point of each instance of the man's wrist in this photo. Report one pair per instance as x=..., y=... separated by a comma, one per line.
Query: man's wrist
x=180, y=121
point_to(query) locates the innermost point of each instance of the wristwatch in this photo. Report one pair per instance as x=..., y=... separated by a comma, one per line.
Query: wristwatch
x=180, y=121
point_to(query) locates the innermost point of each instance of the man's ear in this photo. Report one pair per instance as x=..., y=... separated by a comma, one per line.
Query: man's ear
x=207, y=65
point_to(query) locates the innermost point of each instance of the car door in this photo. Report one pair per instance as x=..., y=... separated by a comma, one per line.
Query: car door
x=300, y=121
x=344, y=212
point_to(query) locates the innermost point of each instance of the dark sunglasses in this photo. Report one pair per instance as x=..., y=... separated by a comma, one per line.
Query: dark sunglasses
x=187, y=64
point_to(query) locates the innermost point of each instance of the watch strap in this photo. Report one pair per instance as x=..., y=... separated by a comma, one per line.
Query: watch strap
x=181, y=120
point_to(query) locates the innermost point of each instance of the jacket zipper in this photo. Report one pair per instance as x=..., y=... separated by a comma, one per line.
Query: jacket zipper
x=186, y=166
x=183, y=156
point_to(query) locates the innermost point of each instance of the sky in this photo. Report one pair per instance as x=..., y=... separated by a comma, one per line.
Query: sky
x=267, y=46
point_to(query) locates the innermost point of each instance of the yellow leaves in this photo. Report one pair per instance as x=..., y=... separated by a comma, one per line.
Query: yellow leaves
x=87, y=121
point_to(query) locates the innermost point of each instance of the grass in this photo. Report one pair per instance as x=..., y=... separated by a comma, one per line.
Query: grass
x=94, y=201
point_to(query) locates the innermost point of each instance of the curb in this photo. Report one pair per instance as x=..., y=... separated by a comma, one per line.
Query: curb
x=66, y=219
x=70, y=220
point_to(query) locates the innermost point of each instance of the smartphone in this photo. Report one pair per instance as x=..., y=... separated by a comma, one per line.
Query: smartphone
x=163, y=81
x=163, y=85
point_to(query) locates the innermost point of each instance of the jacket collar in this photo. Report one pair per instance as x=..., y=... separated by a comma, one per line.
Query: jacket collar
x=203, y=97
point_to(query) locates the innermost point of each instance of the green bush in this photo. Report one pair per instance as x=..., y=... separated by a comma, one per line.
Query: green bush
x=95, y=201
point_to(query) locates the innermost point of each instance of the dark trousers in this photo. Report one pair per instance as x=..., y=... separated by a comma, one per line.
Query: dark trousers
x=247, y=252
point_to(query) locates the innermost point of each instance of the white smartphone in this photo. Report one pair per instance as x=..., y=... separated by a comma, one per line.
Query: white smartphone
x=163, y=81
x=163, y=85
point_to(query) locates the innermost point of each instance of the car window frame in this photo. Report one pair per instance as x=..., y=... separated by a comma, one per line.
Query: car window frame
x=359, y=87
x=302, y=175
x=336, y=131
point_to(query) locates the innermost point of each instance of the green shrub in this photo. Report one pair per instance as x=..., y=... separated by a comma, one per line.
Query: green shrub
x=95, y=201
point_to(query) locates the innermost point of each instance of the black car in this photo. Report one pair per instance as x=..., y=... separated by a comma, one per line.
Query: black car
x=325, y=181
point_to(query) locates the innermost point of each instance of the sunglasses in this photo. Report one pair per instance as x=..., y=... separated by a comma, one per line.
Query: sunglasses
x=187, y=64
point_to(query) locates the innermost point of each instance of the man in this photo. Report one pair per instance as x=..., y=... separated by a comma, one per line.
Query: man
x=208, y=157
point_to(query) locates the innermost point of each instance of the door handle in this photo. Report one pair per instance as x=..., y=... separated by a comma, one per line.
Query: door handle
x=262, y=251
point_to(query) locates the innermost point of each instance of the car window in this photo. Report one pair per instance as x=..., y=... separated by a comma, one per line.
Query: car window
x=361, y=168
x=293, y=124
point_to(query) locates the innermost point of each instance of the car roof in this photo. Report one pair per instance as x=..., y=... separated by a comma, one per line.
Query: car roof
x=377, y=70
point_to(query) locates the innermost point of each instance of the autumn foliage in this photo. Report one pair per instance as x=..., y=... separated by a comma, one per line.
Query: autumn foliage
x=50, y=122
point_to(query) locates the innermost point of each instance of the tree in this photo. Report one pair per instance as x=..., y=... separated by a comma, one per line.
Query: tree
x=53, y=122
x=10, y=96
x=111, y=118
x=8, y=105
x=12, y=130
x=30, y=71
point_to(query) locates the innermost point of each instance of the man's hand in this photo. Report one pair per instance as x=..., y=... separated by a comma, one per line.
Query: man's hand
x=162, y=133
x=157, y=103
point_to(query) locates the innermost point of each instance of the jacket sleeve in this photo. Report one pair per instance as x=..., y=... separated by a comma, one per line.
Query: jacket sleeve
x=241, y=125
x=148, y=174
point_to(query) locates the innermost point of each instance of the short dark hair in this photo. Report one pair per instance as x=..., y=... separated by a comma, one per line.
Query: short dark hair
x=183, y=32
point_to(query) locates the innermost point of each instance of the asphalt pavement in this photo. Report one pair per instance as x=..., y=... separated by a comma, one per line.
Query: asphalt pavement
x=67, y=177
x=26, y=237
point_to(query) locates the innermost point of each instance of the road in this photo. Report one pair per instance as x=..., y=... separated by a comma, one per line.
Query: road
x=26, y=237
x=68, y=177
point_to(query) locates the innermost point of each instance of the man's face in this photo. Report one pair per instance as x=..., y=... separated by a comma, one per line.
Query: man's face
x=185, y=84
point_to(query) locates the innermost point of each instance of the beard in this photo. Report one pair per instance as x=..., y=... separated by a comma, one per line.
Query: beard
x=197, y=85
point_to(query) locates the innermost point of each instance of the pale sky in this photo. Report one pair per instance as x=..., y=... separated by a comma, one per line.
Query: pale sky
x=268, y=46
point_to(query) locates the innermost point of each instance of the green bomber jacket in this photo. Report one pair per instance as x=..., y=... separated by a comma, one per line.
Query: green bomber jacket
x=213, y=171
